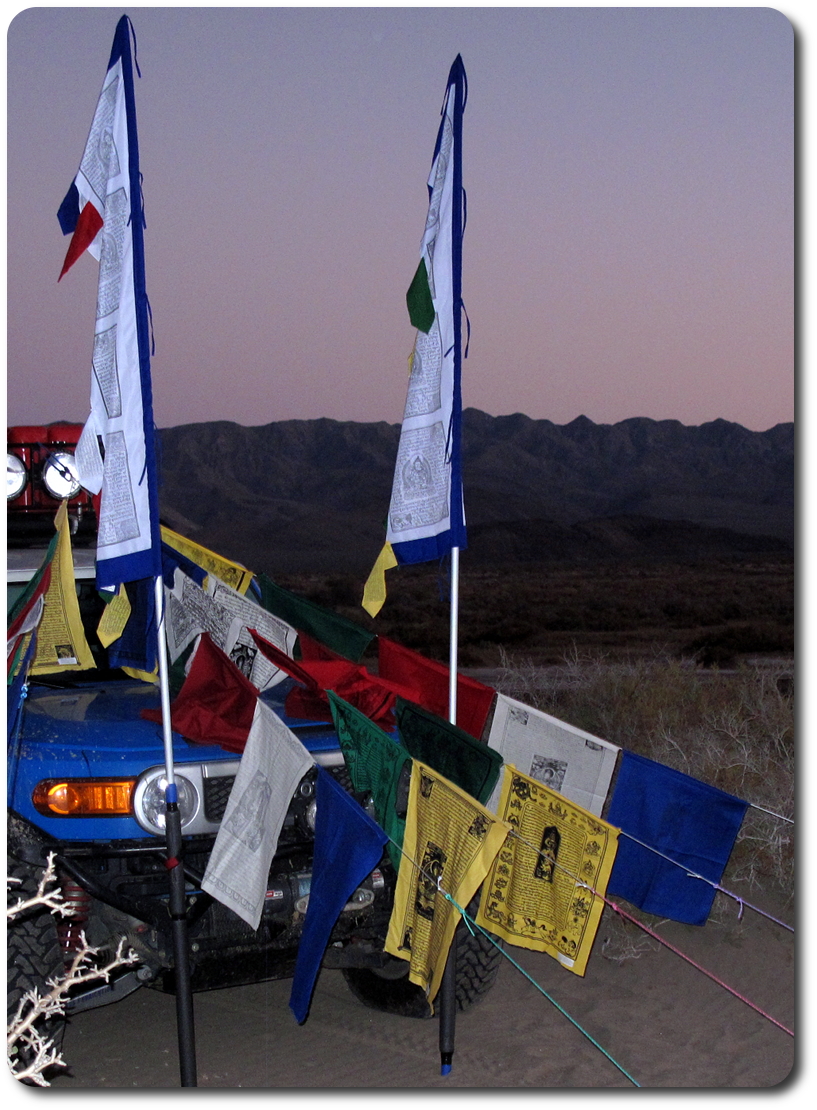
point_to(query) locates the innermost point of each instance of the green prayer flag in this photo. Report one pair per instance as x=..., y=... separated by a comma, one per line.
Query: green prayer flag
x=451, y=752
x=343, y=636
x=419, y=300
x=377, y=765
x=31, y=589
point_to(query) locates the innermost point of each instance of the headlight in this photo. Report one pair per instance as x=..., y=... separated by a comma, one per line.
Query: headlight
x=16, y=476
x=60, y=476
x=149, y=800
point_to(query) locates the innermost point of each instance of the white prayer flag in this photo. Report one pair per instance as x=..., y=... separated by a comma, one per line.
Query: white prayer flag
x=563, y=757
x=103, y=212
x=273, y=763
x=426, y=514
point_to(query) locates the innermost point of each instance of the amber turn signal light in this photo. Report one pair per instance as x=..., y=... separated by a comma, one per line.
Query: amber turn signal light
x=84, y=797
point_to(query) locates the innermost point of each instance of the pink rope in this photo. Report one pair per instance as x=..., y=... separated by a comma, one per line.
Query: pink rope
x=697, y=966
x=623, y=913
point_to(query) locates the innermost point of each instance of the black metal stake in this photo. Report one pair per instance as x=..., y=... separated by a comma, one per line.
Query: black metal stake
x=181, y=957
x=448, y=1008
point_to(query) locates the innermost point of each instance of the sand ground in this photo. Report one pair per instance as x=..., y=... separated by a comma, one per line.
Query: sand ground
x=664, y=1023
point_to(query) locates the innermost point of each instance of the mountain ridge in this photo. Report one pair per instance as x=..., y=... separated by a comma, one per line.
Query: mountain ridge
x=312, y=495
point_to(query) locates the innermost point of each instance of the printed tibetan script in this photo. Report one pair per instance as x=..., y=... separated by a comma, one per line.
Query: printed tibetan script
x=539, y=893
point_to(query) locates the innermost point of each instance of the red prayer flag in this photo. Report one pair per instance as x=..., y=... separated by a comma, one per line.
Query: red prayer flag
x=372, y=695
x=313, y=650
x=216, y=703
x=428, y=683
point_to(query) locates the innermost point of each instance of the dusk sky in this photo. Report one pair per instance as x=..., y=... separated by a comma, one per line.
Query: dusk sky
x=630, y=184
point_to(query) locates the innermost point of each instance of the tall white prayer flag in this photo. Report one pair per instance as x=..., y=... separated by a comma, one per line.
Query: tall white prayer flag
x=426, y=517
x=103, y=210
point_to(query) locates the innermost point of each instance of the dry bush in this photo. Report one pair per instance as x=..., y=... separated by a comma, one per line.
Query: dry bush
x=32, y=1037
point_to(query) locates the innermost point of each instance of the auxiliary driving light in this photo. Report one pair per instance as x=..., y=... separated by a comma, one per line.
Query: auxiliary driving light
x=16, y=476
x=60, y=476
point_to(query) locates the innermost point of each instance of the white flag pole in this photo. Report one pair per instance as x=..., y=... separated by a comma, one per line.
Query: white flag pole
x=164, y=678
x=454, y=635
x=448, y=986
x=107, y=193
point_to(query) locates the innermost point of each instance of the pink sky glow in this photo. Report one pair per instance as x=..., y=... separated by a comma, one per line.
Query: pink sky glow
x=630, y=181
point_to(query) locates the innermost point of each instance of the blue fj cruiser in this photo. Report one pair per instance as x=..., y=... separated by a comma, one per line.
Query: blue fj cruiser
x=85, y=781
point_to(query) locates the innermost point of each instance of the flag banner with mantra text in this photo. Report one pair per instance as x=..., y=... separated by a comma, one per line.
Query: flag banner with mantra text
x=426, y=682
x=61, y=640
x=340, y=635
x=540, y=891
x=217, y=702
x=451, y=751
x=233, y=574
x=26, y=613
x=372, y=695
x=563, y=757
x=103, y=212
x=348, y=847
x=426, y=516
x=273, y=763
x=677, y=836
x=449, y=845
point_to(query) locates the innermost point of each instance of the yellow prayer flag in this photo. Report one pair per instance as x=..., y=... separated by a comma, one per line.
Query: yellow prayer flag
x=112, y=625
x=114, y=618
x=61, y=642
x=540, y=891
x=143, y=676
x=234, y=574
x=374, y=592
x=449, y=845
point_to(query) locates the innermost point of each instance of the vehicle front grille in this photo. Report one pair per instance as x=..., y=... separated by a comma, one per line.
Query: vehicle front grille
x=341, y=775
x=216, y=796
x=217, y=791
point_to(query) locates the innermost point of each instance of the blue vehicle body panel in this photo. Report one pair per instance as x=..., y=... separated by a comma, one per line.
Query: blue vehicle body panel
x=97, y=730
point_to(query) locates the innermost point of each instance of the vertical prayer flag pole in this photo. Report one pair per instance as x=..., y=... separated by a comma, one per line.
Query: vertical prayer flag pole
x=426, y=518
x=115, y=455
x=448, y=986
x=458, y=80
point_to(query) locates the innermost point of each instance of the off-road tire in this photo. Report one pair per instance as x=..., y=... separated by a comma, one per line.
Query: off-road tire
x=390, y=990
x=33, y=949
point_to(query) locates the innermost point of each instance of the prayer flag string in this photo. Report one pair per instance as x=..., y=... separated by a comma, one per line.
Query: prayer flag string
x=771, y=813
x=623, y=913
x=650, y=932
x=716, y=886
x=472, y=925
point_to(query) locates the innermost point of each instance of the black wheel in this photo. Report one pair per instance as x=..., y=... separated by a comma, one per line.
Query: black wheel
x=33, y=950
x=390, y=990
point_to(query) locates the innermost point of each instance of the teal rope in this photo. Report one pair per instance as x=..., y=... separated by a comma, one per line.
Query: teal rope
x=471, y=924
x=469, y=921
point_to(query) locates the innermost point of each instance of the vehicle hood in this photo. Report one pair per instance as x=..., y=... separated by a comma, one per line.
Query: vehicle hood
x=103, y=721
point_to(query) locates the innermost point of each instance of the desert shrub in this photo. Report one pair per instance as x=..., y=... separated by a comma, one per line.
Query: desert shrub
x=36, y=1016
x=734, y=731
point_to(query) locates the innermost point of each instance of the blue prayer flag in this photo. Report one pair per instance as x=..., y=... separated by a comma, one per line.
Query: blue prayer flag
x=693, y=824
x=348, y=846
